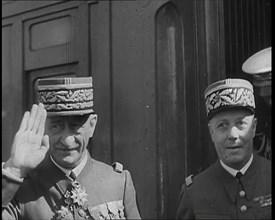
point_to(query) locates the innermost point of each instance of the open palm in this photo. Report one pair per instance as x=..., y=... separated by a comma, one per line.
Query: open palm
x=29, y=144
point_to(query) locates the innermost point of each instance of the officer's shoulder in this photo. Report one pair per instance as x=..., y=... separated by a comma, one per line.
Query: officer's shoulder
x=189, y=180
x=117, y=167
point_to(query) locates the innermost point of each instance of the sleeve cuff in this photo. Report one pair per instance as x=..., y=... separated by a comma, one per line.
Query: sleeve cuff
x=6, y=172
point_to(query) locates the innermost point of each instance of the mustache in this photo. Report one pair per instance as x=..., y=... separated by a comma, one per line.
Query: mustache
x=63, y=146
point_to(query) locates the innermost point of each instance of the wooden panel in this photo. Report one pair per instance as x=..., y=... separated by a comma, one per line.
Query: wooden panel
x=99, y=65
x=133, y=96
x=59, y=45
x=171, y=105
x=55, y=32
x=7, y=105
x=14, y=7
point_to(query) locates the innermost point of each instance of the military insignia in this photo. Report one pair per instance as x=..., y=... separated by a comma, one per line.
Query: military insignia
x=189, y=180
x=73, y=199
x=118, y=167
x=264, y=200
x=109, y=210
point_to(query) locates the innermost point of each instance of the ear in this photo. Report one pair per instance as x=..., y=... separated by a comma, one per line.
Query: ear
x=92, y=122
x=254, y=126
x=210, y=131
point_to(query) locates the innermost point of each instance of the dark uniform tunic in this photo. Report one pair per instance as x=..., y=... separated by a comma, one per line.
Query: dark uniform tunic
x=216, y=194
x=111, y=194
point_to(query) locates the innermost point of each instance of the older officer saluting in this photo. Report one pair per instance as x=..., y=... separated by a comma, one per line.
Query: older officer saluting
x=50, y=173
x=259, y=66
x=238, y=185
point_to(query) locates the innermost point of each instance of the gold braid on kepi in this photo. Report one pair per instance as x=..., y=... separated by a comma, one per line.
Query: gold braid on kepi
x=228, y=94
x=66, y=96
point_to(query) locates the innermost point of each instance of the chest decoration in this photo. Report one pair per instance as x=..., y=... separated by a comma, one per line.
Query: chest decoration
x=73, y=199
x=264, y=200
x=74, y=206
x=108, y=210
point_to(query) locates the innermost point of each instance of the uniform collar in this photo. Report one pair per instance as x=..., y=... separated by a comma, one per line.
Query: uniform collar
x=77, y=170
x=249, y=179
x=233, y=172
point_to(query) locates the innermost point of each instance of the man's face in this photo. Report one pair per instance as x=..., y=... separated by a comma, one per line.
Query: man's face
x=69, y=137
x=232, y=133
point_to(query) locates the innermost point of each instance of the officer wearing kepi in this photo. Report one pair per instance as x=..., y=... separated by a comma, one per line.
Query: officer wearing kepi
x=50, y=173
x=238, y=184
x=260, y=68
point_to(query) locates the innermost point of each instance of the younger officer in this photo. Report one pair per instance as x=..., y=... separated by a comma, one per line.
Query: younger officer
x=259, y=66
x=238, y=185
x=52, y=175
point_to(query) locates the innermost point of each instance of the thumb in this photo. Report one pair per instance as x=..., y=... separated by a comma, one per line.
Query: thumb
x=45, y=143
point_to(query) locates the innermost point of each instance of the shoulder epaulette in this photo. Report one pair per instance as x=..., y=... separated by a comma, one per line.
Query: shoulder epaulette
x=189, y=180
x=118, y=167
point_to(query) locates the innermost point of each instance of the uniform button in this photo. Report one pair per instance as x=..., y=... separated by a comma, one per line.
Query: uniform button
x=242, y=193
x=81, y=212
x=243, y=208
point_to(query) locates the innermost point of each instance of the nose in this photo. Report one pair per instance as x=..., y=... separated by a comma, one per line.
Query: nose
x=67, y=139
x=233, y=133
x=67, y=136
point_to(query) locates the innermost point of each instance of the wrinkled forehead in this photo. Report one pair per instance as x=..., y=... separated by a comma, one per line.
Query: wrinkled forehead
x=71, y=118
x=232, y=114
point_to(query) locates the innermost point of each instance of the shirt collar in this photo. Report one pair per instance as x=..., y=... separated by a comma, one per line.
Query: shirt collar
x=232, y=171
x=77, y=170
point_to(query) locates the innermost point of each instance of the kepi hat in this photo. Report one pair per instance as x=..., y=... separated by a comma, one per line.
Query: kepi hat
x=66, y=96
x=229, y=94
x=260, y=67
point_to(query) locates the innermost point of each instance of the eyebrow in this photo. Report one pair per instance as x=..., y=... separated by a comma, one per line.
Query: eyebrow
x=56, y=119
x=80, y=119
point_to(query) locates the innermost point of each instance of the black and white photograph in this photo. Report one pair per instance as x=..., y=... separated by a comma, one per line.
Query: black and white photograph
x=136, y=109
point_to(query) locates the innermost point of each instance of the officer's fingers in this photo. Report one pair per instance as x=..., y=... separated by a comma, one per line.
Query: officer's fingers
x=38, y=117
x=45, y=143
x=41, y=125
x=24, y=121
x=32, y=116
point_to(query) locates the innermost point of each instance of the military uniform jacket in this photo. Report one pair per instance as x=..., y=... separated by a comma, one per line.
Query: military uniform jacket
x=216, y=194
x=111, y=195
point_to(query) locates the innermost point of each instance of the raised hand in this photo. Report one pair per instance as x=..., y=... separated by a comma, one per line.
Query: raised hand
x=29, y=144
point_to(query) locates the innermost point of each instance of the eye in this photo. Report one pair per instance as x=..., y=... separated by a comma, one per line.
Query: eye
x=75, y=125
x=241, y=123
x=221, y=125
x=55, y=127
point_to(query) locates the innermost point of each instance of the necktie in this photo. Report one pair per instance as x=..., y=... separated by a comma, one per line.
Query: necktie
x=72, y=175
x=239, y=176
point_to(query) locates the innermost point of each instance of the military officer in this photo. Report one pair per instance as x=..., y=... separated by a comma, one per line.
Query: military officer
x=238, y=184
x=50, y=173
x=259, y=66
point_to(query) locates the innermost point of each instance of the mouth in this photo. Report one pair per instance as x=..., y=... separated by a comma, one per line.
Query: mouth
x=234, y=147
x=67, y=149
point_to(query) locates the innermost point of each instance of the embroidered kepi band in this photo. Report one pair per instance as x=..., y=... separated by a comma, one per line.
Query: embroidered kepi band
x=66, y=96
x=227, y=94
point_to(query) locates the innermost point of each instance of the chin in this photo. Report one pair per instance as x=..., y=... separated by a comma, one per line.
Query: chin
x=70, y=161
x=236, y=162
